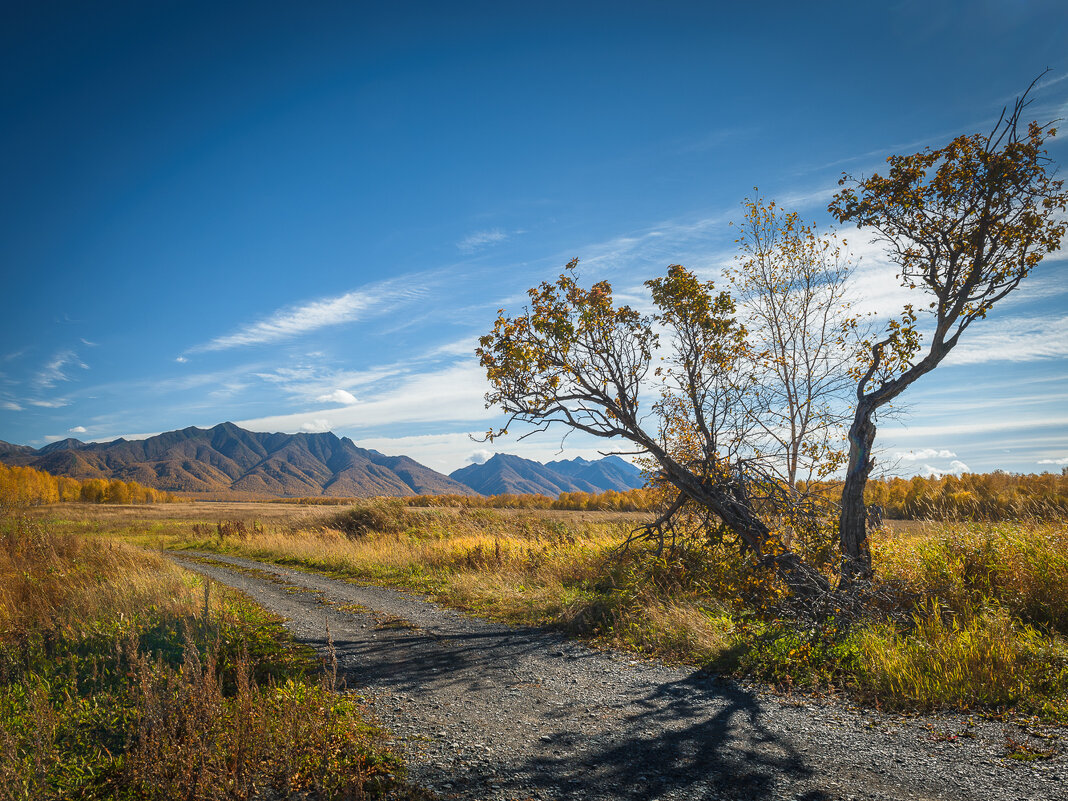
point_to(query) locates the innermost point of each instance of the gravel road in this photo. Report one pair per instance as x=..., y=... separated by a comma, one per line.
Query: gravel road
x=490, y=712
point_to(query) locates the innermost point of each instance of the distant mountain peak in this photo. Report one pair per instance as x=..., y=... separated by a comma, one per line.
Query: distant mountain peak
x=508, y=473
x=68, y=444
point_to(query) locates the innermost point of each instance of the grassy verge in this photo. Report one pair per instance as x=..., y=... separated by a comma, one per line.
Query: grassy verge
x=964, y=616
x=114, y=684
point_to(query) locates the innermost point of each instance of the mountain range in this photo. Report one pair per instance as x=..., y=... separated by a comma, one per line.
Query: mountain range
x=514, y=474
x=227, y=460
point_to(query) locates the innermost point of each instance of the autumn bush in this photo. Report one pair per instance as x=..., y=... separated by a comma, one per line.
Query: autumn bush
x=384, y=515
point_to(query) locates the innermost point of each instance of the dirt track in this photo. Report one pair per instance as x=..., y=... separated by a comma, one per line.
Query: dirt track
x=485, y=711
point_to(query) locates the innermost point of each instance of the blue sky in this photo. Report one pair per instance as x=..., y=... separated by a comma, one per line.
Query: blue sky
x=301, y=216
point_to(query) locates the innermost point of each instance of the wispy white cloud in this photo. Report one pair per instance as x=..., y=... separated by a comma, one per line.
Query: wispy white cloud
x=874, y=285
x=1047, y=82
x=10, y=406
x=924, y=454
x=313, y=382
x=1017, y=339
x=968, y=401
x=680, y=241
x=77, y=430
x=818, y=197
x=444, y=451
x=1062, y=461
x=460, y=347
x=56, y=369
x=1041, y=86
x=480, y=239
x=481, y=456
x=712, y=140
x=229, y=389
x=701, y=244
x=317, y=426
x=297, y=320
x=338, y=396
x=50, y=404
x=442, y=396
x=130, y=437
x=989, y=426
x=877, y=291
x=181, y=359
x=874, y=160
x=183, y=382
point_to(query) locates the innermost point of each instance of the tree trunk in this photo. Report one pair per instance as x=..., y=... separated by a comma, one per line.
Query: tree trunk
x=852, y=524
x=803, y=580
x=729, y=503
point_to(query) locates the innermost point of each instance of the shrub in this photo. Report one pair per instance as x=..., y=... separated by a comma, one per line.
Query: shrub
x=384, y=516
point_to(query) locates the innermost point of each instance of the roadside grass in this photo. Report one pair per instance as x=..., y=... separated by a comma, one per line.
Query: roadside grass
x=1021, y=566
x=114, y=684
x=967, y=616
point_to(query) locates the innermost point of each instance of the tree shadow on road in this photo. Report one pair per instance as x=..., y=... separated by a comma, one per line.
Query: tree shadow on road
x=686, y=739
x=694, y=738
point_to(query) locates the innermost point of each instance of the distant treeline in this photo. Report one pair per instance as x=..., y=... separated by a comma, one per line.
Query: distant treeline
x=26, y=486
x=972, y=496
x=635, y=500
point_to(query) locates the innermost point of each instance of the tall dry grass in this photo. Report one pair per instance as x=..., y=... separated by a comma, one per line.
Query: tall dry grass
x=1021, y=566
x=113, y=684
x=50, y=583
x=980, y=659
x=514, y=567
x=971, y=616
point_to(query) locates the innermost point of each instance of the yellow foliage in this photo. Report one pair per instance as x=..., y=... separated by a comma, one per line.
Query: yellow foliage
x=25, y=486
x=641, y=499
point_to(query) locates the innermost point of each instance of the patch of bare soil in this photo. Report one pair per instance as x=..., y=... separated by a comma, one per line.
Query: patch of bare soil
x=486, y=711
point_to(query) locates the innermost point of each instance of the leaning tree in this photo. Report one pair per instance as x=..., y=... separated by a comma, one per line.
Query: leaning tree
x=965, y=224
x=577, y=358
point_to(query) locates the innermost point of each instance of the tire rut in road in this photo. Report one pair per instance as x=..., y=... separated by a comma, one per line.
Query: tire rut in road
x=487, y=711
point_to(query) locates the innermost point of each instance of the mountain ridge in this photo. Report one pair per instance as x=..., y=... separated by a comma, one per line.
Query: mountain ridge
x=229, y=459
x=508, y=473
